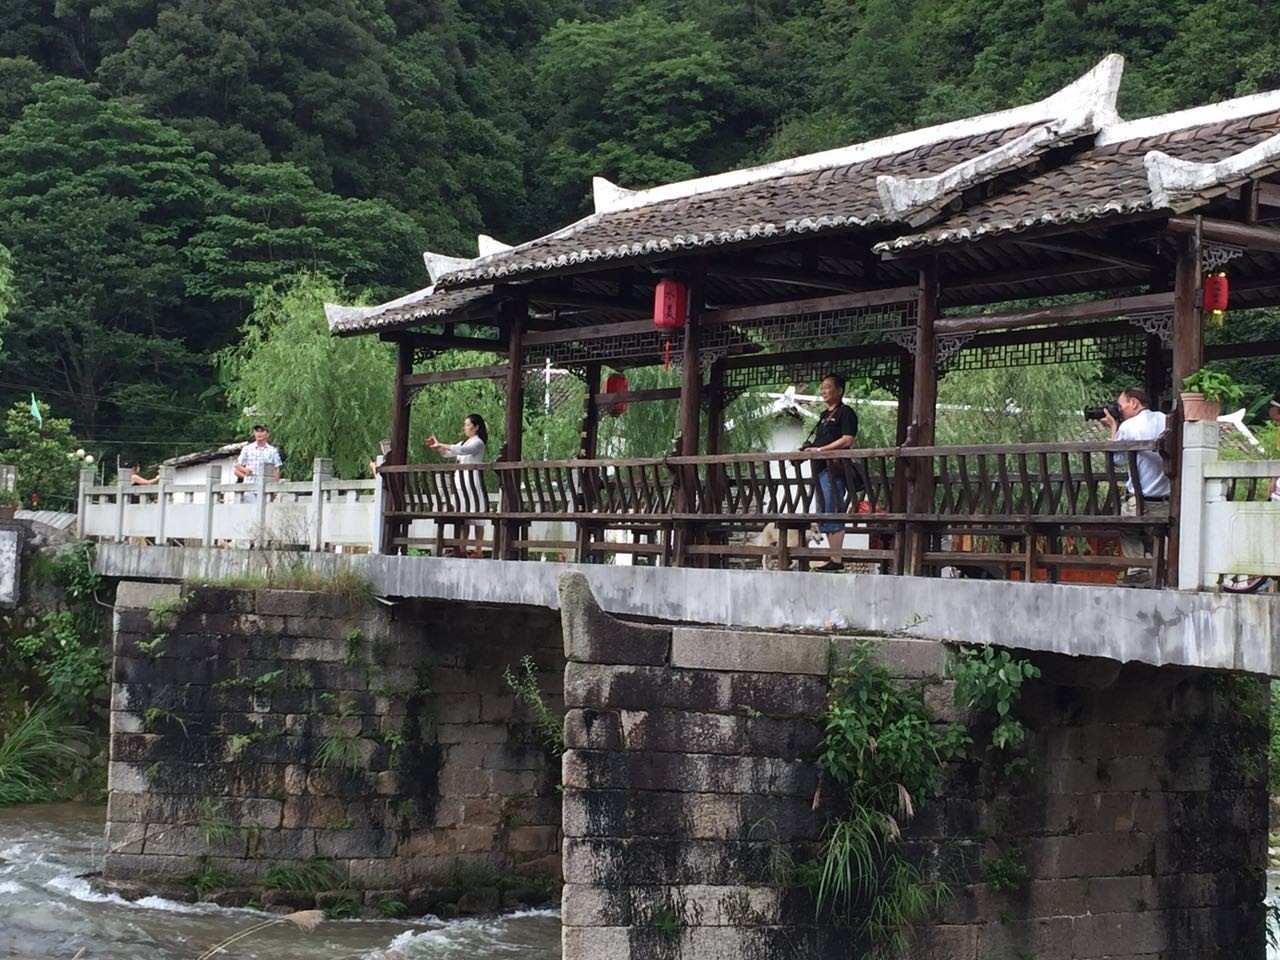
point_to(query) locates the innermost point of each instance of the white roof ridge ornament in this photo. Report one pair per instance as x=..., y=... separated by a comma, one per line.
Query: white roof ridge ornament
x=489, y=246
x=1236, y=109
x=899, y=195
x=607, y=195
x=1168, y=175
x=438, y=264
x=339, y=315
x=1089, y=99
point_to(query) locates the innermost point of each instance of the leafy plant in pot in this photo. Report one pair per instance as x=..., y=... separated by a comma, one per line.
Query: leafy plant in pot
x=1206, y=392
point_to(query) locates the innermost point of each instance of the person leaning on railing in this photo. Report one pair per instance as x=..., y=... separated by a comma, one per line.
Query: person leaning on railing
x=837, y=428
x=468, y=450
x=1139, y=422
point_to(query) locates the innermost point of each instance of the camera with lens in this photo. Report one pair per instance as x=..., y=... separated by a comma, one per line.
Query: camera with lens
x=808, y=445
x=1097, y=413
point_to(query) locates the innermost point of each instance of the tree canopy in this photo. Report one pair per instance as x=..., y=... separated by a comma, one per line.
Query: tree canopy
x=164, y=162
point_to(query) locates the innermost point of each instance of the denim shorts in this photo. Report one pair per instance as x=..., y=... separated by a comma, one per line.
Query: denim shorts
x=833, y=497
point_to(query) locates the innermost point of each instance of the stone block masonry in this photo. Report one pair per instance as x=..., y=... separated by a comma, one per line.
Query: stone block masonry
x=378, y=747
x=690, y=786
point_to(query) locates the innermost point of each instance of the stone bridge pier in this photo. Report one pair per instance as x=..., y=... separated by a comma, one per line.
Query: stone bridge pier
x=689, y=778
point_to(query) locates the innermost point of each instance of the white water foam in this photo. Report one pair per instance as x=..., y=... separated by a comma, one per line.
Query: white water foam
x=9, y=886
x=79, y=889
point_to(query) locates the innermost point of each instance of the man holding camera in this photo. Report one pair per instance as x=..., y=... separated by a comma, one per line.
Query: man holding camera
x=1139, y=422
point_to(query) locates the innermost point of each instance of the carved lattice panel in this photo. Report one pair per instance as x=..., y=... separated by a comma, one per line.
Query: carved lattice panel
x=801, y=330
x=635, y=349
x=1112, y=349
x=879, y=369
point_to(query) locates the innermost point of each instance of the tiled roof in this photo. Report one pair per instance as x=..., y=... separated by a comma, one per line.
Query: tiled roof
x=1113, y=179
x=425, y=304
x=894, y=179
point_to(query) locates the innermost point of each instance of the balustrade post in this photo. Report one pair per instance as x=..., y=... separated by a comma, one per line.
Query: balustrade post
x=377, y=528
x=163, y=482
x=87, y=478
x=123, y=483
x=1199, y=447
x=260, y=489
x=924, y=413
x=211, y=480
x=321, y=470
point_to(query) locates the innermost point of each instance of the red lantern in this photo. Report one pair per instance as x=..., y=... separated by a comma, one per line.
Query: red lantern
x=1216, y=293
x=616, y=383
x=670, y=304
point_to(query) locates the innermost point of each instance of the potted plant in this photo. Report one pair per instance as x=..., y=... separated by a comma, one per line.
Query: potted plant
x=8, y=504
x=1205, y=393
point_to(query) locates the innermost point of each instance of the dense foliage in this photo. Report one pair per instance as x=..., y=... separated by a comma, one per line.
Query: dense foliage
x=158, y=158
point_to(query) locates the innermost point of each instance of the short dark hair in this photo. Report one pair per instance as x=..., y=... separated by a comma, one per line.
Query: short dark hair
x=835, y=378
x=1139, y=394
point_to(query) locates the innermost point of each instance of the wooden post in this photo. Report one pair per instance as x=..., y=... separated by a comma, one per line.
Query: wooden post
x=924, y=403
x=514, y=314
x=715, y=409
x=1188, y=331
x=906, y=394
x=590, y=414
x=398, y=455
x=691, y=375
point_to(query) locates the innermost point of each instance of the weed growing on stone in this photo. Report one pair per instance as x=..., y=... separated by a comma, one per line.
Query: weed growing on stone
x=343, y=909
x=209, y=879
x=355, y=641
x=990, y=681
x=392, y=908
x=165, y=611
x=308, y=876
x=881, y=746
x=1008, y=872
x=525, y=686
x=37, y=756
x=666, y=922
x=342, y=753
x=153, y=715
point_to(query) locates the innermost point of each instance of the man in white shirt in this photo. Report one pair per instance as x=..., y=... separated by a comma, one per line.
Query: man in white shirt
x=257, y=458
x=1140, y=422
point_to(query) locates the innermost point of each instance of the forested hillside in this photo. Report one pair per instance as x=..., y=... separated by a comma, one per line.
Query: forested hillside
x=159, y=158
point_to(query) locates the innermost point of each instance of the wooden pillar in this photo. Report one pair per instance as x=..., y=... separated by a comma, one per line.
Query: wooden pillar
x=924, y=404
x=1155, y=375
x=514, y=313
x=906, y=394
x=589, y=444
x=715, y=409
x=398, y=455
x=691, y=375
x=1188, y=331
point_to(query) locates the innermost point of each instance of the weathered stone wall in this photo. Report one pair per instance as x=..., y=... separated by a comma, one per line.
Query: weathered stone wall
x=257, y=728
x=690, y=768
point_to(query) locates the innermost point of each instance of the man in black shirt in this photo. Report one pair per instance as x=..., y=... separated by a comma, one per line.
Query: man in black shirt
x=836, y=430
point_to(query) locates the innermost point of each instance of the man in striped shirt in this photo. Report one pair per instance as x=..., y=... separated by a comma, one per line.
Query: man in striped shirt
x=257, y=457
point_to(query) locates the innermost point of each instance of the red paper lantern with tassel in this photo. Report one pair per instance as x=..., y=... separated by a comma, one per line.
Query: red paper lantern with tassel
x=616, y=383
x=1216, y=295
x=670, y=304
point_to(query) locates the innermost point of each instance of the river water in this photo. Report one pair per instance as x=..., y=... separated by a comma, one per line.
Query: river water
x=48, y=912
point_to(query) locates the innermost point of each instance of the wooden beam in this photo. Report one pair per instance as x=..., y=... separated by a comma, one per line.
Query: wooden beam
x=636, y=396
x=1251, y=348
x=1082, y=248
x=587, y=301
x=456, y=376
x=1092, y=310
x=597, y=331
x=859, y=352
x=436, y=341
x=790, y=308
x=925, y=398
x=779, y=273
x=715, y=408
x=955, y=292
x=1252, y=237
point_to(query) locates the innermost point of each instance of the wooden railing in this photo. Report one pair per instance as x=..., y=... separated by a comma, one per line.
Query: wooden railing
x=1018, y=510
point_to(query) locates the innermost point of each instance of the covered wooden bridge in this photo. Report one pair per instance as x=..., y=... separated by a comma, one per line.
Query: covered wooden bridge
x=894, y=260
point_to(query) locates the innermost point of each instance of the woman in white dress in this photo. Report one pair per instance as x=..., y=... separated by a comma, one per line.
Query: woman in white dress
x=470, y=487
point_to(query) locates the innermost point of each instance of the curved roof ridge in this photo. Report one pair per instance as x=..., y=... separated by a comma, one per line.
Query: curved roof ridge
x=1088, y=100
x=1167, y=175
x=1235, y=109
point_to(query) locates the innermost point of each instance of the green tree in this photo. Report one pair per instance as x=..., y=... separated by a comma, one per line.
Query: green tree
x=44, y=454
x=271, y=221
x=6, y=289
x=95, y=204
x=323, y=396
x=1018, y=404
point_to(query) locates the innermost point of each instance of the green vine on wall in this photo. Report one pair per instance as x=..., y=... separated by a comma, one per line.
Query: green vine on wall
x=889, y=756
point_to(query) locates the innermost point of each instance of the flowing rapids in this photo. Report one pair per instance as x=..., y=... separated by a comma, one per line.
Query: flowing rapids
x=48, y=910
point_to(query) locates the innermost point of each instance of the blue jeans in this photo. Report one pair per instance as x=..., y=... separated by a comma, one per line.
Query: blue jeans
x=832, y=498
